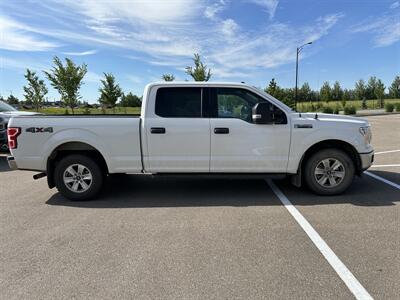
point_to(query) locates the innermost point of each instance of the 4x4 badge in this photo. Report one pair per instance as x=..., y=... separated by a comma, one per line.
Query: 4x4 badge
x=39, y=129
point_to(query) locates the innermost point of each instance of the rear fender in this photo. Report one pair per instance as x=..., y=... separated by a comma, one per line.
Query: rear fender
x=75, y=135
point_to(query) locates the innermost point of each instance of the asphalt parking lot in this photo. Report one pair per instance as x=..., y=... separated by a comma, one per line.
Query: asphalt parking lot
x=164, y=238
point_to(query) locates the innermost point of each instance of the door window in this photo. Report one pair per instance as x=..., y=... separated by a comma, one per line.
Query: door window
x=235, y=103
x=179, y=102
x=238, y=103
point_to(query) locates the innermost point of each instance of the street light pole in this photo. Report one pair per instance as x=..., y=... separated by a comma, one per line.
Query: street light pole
x=297, y=75
x=298, y=50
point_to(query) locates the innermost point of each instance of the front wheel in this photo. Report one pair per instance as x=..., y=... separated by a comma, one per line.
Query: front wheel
x=329, y=172
x=78, y=177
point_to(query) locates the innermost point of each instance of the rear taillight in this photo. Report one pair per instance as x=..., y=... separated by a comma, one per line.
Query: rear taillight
x=12, y=134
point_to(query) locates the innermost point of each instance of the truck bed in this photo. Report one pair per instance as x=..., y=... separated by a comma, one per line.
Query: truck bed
x=116, y=137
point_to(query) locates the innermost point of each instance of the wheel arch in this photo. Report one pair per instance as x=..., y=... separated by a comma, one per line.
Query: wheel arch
x=72, y=147
x=327, y=144
x=333, y=144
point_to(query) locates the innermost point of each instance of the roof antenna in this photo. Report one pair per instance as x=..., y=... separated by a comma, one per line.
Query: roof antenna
x=316, y=116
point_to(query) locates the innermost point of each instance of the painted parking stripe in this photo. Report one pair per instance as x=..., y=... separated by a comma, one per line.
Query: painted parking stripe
x=395, y=185
x=384, y=166
x=384, y=152
x=344, y=273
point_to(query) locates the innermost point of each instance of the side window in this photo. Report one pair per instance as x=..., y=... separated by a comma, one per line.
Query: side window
x=235, y=103
x=238, y=103
x=178, y=102
x=279, y=115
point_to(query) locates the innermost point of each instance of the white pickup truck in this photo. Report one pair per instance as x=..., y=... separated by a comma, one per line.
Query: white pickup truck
x=193, y=129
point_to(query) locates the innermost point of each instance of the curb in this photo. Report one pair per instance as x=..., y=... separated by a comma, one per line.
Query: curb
x=377, y=114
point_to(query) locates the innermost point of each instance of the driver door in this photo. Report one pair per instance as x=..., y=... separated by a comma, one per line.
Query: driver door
x=238, y=145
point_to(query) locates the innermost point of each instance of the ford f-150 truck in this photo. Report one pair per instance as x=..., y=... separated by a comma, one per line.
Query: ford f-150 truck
x=193, y=129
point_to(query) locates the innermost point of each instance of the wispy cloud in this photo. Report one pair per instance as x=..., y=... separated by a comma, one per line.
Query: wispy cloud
x=153, y=12
x=225, y=73
x=21, y=64
x=134, y=79
x=269, y=5
x=269, y=48
x=384, y=29
x=395, y=5
x=92, y=77
x=84, y=53
x=213, y=9
x=170, y=39
x=229, y=27
x=16, y=36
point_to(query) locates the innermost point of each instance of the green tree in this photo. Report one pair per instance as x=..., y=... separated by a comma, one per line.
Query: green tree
x=275, y=90
x=67, y=80
x=394, y=89
x=110, y=92
x=272, y=87
x=35, y=90
x=314, y=96
x=360, y=89
x=130, y=100
x=372, y=85
x=12, y=100
x=168, y=77
x=337, y=92
x=288, y=96
x=199, y=72
x=326, y=92
x=364, y=104
x=305, y=92
x=346, y=96
x=380, y=92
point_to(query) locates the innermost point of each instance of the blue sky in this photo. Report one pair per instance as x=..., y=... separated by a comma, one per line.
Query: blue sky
x=241, y=40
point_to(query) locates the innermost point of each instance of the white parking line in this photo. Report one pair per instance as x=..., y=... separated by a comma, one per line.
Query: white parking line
x=383, y=166
x=395, y=185
x=344, y=273
x=384, y=152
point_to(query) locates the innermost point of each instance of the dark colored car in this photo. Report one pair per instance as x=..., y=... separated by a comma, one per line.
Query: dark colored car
x=6, y=112
x=3, y=134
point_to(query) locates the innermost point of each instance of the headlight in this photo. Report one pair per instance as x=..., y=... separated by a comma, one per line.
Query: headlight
x=366, y=133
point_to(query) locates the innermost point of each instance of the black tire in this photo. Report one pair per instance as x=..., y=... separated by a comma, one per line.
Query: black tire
x=97, y=177
x=324, y=187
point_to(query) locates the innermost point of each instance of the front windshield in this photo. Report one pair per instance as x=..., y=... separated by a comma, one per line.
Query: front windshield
x=6, y=107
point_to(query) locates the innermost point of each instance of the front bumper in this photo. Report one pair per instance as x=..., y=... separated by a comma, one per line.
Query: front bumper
x=366, y=160
x=12, y=163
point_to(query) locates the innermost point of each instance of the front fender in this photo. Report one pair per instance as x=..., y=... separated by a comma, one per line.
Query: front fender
x=303, y=140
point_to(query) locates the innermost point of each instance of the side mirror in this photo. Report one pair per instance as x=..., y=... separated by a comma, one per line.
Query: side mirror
x=262, y=113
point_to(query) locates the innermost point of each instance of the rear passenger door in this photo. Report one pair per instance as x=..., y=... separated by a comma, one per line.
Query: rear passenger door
x=178, y=137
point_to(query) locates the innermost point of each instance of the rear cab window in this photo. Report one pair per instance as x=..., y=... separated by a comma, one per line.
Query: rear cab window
x=179, y=102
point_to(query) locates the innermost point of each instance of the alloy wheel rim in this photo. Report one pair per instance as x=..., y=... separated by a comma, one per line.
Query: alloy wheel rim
x=77, y=178
x=329, y=172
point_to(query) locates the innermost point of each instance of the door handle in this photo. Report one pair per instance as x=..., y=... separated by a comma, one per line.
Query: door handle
x=221, y=130
x=157, y=130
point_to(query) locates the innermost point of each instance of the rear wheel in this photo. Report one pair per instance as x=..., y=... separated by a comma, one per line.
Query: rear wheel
x=329, y=172
x=78, y=177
